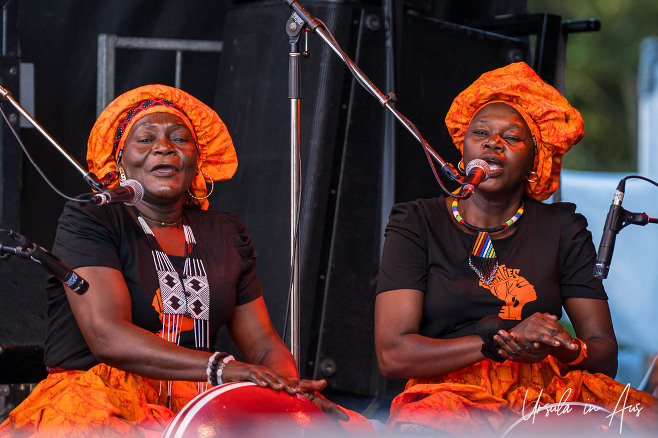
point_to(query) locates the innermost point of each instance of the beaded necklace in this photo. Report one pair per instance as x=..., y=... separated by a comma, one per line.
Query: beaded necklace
x=482, y=258
x=181, y=296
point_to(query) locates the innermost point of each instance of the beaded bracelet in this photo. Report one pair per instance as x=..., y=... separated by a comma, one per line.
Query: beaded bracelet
x=213, y=364
x=581, y=356
x=220, y=369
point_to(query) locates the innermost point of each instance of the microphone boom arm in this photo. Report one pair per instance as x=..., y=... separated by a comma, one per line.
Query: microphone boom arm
x=629, y=218
x=385, y=100
x=91, y=179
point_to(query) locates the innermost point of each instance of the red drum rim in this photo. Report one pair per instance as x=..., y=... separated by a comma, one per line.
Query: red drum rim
x=177, y=427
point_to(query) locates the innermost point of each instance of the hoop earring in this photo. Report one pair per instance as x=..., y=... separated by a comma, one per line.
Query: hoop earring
x=534, y=179
x=122, y=176
x=212, y=187
x=460, y=167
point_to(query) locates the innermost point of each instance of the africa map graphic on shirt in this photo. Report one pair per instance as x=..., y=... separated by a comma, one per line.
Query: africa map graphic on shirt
x=512, y=288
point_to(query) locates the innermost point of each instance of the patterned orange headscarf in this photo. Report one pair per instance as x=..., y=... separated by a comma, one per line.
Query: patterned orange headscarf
x=217, y=159
x=554, y=123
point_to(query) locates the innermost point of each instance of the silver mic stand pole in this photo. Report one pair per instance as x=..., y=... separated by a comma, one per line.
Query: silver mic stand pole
x=294, y=28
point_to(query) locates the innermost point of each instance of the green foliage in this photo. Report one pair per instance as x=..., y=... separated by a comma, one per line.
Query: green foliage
x=601, y=71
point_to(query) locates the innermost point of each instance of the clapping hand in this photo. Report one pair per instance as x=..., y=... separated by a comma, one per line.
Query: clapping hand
x=533, y=339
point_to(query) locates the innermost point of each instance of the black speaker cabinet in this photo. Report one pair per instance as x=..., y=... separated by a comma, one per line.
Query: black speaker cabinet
x=22, y=321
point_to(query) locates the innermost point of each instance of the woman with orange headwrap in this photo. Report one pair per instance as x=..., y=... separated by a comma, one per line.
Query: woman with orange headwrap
x=470, y=290
x=164, y=275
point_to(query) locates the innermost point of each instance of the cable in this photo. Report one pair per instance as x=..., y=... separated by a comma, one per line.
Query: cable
x=365, y=81
x=294, y=254
x=638, y=177
x=29, y=157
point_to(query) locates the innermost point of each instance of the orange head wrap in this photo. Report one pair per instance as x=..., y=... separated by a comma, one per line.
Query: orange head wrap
x=217, y=159
x=554, y=123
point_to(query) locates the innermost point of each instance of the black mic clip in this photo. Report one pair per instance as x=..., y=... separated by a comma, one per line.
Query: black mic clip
x=25, y=249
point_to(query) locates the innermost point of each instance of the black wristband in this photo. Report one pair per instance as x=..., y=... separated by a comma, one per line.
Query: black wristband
x=487, y=328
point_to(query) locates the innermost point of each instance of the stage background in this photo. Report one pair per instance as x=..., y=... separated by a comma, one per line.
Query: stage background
x=342, y=147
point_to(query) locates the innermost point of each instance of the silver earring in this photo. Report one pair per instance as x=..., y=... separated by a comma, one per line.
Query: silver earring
x=212, y=187
x=122, y=176
x=534, y=179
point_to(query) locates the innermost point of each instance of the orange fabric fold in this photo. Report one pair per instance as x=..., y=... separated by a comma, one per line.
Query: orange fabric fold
x=487, y=398
x=102, y=401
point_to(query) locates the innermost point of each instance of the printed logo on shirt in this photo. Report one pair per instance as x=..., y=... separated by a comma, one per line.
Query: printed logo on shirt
x=512, y=288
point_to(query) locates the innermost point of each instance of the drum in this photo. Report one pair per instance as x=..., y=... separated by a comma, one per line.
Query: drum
x=572, y=419
x=243, y=409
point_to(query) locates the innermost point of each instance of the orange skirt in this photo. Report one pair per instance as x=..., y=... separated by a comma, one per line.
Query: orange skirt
x=102, y=401
x=486, y=398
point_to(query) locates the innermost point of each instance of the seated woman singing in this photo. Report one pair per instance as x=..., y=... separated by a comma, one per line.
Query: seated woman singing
x=470, y=291
x=164, y=274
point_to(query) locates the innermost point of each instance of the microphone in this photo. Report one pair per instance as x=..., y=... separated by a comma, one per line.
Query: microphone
x=60, y=271
x=130, y=192
x=477, y=172
x=613, y=223
x=29, y=250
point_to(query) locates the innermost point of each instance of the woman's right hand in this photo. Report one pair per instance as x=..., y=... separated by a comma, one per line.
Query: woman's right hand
x=533, y=339
x=543, y=329
x=236, y=371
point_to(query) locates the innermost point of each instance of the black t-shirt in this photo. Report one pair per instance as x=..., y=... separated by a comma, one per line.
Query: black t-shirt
x=91, y=235
x=550, y=257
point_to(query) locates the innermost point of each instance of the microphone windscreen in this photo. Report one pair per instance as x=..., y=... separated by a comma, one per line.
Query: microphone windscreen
x=137, y=189
x=478, y=163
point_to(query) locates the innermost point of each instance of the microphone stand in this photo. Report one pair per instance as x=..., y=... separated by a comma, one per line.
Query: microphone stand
x=294, y=28
x=615, y=223
x=91, y=179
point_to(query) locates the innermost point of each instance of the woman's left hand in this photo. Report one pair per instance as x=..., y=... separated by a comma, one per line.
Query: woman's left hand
x=516, y=348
